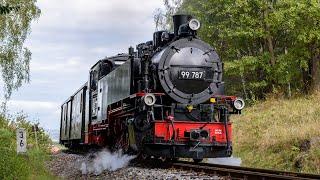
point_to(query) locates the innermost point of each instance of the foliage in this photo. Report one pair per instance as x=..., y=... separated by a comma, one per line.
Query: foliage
x=14, y=57
x=7, y=9
x=162, y=18
x=280, y=134
x=269, y=46
x=30, y=165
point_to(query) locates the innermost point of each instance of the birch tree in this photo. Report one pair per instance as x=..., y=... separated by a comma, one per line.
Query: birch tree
x=15, y=20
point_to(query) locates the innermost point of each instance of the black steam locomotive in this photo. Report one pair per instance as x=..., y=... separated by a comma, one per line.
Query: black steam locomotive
x=164, y=100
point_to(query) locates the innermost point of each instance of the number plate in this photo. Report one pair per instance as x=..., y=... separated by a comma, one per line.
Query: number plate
x=185, y=74
x=21, y=140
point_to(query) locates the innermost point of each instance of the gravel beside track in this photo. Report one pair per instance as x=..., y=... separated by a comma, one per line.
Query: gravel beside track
x=67, y=166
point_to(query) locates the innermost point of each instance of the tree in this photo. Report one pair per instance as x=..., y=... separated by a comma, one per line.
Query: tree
x=272, y=44
x=162, y=18
x=305, y=40
x=15, y=20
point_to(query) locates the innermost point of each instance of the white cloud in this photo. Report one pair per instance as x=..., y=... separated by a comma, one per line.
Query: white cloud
x=40, y=81
x=33, y=105
x=86, y=15
x=71, y=65
x=47, y=113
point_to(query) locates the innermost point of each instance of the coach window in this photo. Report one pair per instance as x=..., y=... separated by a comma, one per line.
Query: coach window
x=94, y=80
x=66, y=119
x=105, y=68
x=81, y=102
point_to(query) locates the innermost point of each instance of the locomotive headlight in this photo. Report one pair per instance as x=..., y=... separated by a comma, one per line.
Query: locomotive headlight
x=238, y=104
x=149, y=99
x=194, y=24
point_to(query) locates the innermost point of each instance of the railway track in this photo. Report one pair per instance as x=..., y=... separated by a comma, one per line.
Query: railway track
x=216, y=170
x=236, y=172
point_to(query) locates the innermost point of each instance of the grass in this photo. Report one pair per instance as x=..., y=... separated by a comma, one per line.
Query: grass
x=23, y=166
x=280, y=134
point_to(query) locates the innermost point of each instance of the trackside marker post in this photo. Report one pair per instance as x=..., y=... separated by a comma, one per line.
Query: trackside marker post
x=21, y=141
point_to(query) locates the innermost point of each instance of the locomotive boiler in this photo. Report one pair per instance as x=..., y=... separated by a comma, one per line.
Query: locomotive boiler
x=163, y=99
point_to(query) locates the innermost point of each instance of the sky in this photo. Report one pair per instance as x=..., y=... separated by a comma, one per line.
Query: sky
x=68, y=38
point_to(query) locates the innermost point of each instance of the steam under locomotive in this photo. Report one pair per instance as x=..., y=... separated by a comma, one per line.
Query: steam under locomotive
x=164, y=99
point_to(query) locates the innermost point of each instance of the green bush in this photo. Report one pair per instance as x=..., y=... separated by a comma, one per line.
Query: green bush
x=11, y=165
x=22, y=166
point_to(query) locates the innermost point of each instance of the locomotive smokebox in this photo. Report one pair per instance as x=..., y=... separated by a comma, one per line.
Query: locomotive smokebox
x=179, y=20
x=189, y=71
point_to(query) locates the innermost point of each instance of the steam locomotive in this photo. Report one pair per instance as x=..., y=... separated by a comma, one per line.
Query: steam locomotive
x=164, y=99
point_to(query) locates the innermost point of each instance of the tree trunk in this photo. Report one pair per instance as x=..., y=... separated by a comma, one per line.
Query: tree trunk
x=269, y=38
x=314, y=73
x=312, y=79
x=271, y=48
x=306, y=80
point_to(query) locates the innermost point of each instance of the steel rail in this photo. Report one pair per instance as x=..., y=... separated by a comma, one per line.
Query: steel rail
x=236, y=172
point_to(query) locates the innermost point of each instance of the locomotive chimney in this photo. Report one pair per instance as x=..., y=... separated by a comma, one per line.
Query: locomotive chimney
x=179, y=20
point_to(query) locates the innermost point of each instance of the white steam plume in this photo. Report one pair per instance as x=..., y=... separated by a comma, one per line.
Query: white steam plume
x=105, y=160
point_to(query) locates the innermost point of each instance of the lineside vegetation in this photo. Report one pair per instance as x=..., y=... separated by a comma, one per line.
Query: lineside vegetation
x=30, y=165
x=280, y=134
